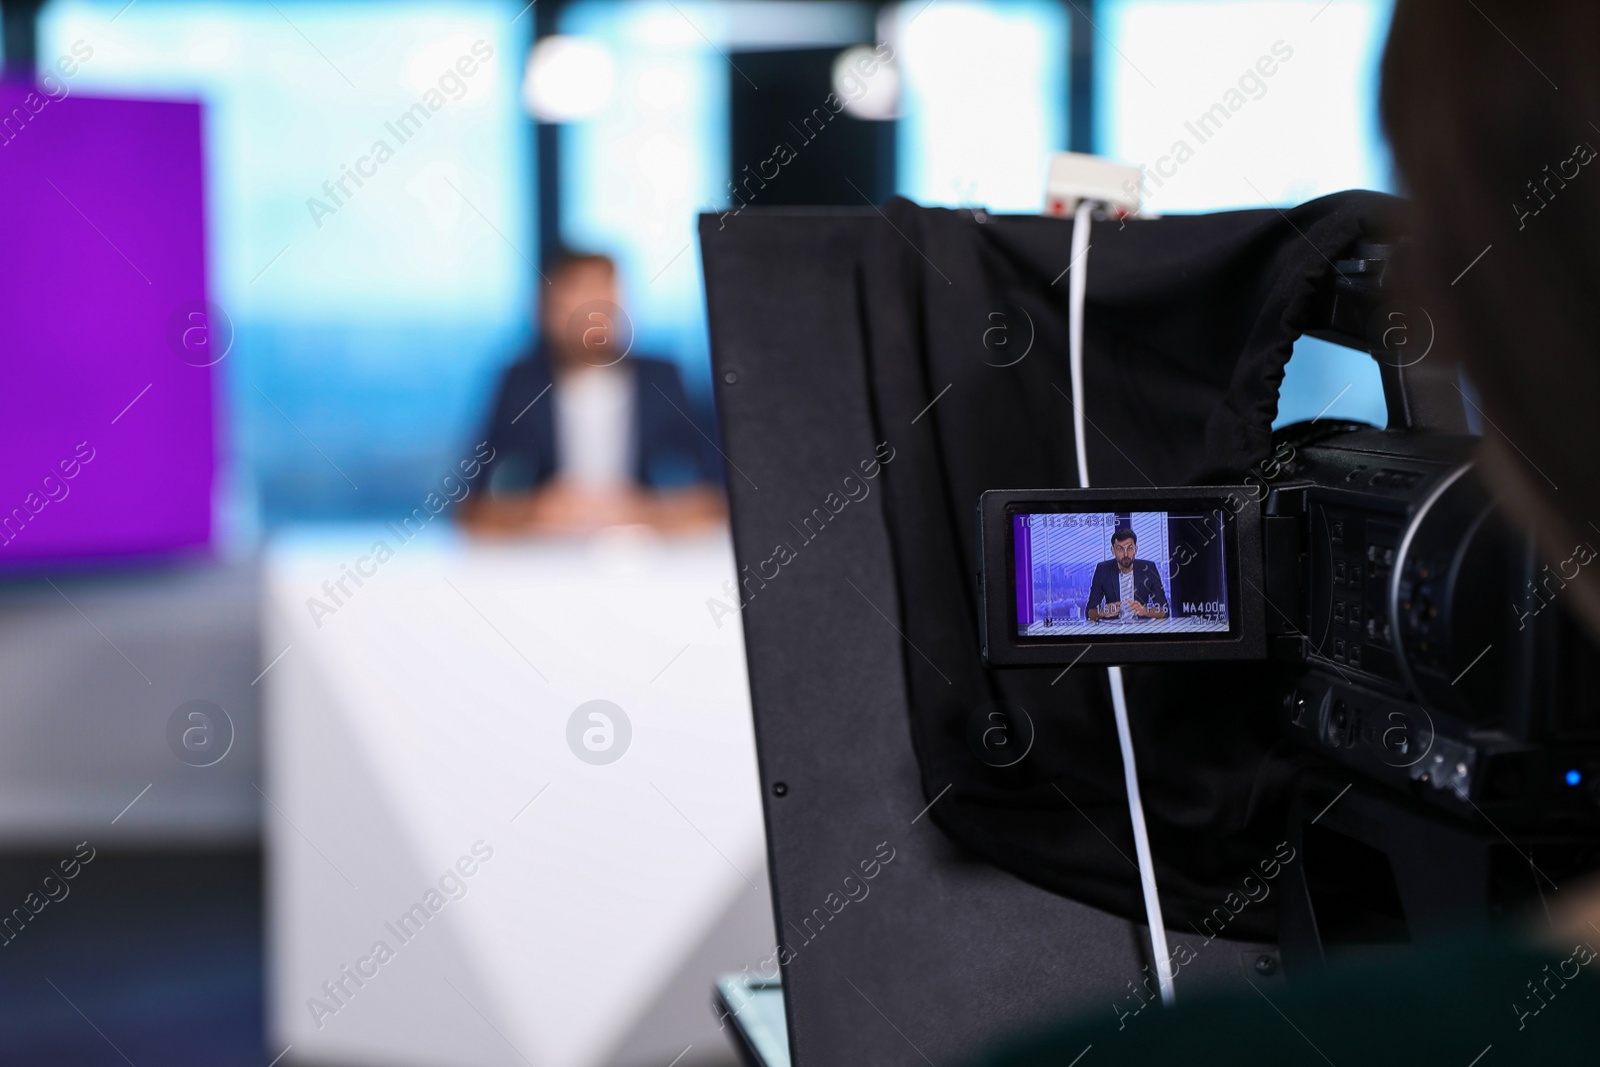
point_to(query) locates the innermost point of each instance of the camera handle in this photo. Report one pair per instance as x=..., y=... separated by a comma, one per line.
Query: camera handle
x=1357, y=308
x=1422, y=396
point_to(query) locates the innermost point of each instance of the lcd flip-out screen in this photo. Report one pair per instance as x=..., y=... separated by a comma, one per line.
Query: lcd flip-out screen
x=1120, y=574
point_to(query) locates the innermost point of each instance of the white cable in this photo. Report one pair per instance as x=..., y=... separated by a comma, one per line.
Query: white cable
x=1077, y=288
x=1141, y=841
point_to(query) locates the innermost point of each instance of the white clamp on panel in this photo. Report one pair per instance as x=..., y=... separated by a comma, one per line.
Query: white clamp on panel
x=1077, y=176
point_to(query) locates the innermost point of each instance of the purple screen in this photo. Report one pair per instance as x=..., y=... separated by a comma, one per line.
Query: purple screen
x=106, y=422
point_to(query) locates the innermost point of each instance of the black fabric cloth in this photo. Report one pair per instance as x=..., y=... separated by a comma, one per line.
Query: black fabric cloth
x=1190, y=321
x=669, y=449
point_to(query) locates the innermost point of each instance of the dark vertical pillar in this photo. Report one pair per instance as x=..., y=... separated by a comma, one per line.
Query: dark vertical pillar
x=21, y=21
x=888, y=159
x=546, y=19
x=836, y=159
x=1080, y=76
x=888, y=131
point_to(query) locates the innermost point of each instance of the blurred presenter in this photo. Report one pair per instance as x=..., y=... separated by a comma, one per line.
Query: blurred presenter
x=585, y=433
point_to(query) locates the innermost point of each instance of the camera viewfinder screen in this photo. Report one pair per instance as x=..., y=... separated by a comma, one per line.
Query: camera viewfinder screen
x=1121, y=574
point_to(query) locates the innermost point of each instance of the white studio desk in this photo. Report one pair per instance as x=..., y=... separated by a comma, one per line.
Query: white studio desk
x=419, y=719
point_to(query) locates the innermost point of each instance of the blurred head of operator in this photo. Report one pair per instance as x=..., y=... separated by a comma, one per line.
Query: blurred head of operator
x=586, y=433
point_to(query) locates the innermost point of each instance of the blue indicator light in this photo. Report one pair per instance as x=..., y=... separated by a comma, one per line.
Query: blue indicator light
x=1573, y=777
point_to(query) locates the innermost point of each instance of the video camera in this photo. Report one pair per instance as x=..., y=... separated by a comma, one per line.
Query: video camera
x=1414, y=636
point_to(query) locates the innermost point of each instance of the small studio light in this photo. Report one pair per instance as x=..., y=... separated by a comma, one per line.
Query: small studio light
x=568, y=78
x=867, y=83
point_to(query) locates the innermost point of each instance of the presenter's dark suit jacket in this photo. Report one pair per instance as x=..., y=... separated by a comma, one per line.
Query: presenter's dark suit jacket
x=1107, y=584
x=669, y=448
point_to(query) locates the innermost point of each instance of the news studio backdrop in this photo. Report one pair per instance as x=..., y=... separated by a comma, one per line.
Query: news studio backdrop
x=879, y=373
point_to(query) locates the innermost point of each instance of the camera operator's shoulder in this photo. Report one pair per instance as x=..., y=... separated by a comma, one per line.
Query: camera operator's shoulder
x=1411, y=1006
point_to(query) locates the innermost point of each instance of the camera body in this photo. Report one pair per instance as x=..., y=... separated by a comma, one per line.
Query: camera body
x=1438, y=653
x=1413, y=635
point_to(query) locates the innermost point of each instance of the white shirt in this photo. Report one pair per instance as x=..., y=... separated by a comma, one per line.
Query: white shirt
x=1125, y=580
x=594, y=426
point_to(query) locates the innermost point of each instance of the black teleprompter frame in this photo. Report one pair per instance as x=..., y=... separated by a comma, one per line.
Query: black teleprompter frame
x=948, y=954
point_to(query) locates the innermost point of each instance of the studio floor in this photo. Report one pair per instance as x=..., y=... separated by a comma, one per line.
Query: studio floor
x=150, y=958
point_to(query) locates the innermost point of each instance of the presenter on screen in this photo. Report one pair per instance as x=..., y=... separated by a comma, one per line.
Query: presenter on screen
x=1126, y=583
